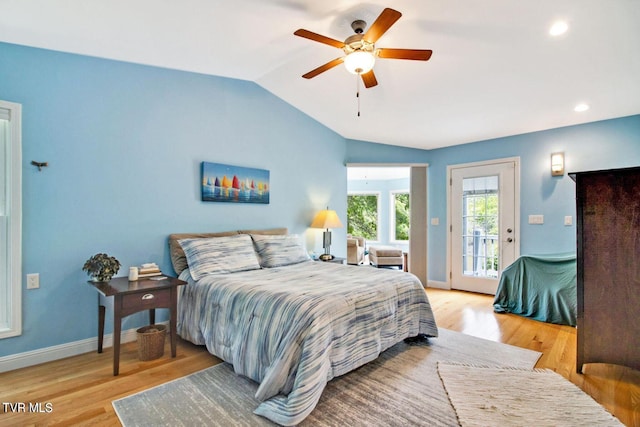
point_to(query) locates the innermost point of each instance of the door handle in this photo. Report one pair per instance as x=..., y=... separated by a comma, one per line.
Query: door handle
x=509, y=230
x=509, y=240
x=147, y=296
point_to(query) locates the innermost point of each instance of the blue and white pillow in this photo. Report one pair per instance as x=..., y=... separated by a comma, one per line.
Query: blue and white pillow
x=216, y=255
x=276, y=251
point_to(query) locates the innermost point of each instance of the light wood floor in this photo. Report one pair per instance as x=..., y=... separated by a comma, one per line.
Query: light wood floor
x=80, y=389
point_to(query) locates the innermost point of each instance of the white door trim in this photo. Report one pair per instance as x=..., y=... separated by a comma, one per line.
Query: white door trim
x=11, y=292
x=516, y=213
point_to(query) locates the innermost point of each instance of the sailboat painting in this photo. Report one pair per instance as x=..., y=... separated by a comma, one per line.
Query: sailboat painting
x=227, y=183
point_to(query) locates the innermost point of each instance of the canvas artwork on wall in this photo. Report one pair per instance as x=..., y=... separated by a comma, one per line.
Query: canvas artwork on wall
x=227, y=183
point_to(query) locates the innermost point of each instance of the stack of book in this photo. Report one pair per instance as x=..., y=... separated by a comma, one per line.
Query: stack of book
x=149, y=270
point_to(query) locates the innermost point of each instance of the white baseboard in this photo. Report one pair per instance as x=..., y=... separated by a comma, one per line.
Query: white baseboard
x=48, y=354
x=438, y=284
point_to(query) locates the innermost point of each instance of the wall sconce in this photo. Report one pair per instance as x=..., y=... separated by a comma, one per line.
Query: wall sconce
x=557, y=164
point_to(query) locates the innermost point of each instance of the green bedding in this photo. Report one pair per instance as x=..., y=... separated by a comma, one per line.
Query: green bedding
x=541, y=287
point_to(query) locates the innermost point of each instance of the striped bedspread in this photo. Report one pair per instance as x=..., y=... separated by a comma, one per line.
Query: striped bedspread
x=294, y=328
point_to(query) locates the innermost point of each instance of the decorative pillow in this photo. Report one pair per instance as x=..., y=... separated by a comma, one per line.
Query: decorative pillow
x=178, y=258
x=276, y=251
x=220, y=255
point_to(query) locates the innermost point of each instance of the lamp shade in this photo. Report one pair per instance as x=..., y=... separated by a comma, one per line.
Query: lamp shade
x=326, y=219
x=557, y=164
x=359, y=62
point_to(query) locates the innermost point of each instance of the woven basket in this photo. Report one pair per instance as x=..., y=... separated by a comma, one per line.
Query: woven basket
x=151, y=341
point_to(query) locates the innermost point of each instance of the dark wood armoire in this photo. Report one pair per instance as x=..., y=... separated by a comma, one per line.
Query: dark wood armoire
x=608, y=240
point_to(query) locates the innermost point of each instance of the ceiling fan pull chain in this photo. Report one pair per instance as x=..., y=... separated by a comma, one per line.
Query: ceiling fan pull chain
x=358, y=92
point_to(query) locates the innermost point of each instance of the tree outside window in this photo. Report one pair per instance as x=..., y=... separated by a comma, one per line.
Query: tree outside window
x=362, y=215
x=480, y=232
x=400, y=221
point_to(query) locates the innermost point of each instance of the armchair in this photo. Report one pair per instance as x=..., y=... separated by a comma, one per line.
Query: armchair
x=355, y=249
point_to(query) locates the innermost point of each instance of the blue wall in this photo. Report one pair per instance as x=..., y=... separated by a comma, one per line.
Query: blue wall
x=598, y=145
x=368, y=152
x=124, y=144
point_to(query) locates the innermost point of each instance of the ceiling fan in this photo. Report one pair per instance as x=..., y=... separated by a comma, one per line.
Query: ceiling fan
x=360, y=51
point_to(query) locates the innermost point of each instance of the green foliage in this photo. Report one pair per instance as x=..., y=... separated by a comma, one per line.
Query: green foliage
x=362, y=215
x=102, y=267
x=402, y=216
x=481, y=213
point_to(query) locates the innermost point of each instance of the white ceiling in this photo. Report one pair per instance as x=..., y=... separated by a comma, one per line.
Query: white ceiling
x=494, y=72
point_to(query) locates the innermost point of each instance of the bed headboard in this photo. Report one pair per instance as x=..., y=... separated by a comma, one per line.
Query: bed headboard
x=179, y=259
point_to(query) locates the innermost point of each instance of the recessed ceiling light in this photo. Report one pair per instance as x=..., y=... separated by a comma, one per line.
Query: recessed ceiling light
x=558, y=28
x=581, y=107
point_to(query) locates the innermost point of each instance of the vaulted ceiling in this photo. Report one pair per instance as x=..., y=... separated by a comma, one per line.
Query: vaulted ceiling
x=495, y=70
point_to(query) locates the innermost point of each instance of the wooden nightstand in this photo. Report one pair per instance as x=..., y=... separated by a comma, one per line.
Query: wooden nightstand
x=134, y=296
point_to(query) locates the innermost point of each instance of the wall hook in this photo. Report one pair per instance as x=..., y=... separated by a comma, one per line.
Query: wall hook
x=40, y=165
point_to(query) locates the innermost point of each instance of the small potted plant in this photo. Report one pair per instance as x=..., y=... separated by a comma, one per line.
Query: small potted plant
x=101, y=267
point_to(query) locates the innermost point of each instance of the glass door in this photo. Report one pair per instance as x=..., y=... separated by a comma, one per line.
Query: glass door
x=482, y=225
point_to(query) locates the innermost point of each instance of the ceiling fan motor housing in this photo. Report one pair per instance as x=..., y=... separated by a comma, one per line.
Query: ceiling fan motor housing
x=355, y=43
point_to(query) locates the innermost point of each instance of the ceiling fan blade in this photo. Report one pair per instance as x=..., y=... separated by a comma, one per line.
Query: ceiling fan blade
x=321, y=69
x=387, y=18
x=369, y=79
x=319, y=38
x=416, y=54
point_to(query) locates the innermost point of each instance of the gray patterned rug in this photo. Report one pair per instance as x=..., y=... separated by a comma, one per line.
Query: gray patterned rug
x=484, y=396
x=400, y=388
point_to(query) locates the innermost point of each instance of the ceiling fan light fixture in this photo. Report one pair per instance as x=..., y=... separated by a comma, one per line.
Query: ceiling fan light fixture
x=359, y=62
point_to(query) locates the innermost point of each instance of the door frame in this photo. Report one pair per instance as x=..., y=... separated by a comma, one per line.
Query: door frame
x=516, y=209
x=12, y=305
x=418, y=193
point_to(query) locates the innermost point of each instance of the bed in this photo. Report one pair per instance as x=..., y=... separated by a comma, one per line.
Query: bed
x=287, y=322
x=542, y=287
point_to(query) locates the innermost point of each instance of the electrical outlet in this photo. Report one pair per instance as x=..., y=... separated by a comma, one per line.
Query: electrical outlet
x=33, y=281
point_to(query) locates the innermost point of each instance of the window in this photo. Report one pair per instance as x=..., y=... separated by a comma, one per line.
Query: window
x=480, y=226
x=399, y=216
x=363, y=215
x=10, y=221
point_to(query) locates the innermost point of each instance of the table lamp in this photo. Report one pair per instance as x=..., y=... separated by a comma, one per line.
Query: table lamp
x=326, y=219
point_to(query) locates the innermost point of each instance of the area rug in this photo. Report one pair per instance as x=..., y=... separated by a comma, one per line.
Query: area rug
x=401, y=387
x=489, y=396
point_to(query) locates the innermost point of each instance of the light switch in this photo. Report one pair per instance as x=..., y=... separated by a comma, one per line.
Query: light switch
x=536, y=219
x=568, y=220
x=435, y=221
